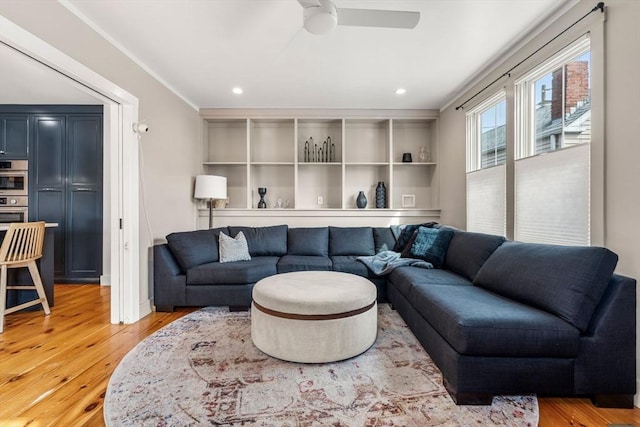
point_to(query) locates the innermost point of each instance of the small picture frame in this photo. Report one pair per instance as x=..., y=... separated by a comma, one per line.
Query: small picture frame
x=408, y=201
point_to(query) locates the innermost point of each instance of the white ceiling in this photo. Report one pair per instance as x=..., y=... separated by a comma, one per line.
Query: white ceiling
x=201, y=49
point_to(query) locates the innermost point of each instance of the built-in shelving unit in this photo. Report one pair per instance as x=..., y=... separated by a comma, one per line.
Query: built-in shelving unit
x=313, y=163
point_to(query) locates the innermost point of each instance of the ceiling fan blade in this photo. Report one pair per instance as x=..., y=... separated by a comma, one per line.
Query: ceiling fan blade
x=309, y=3
x=378, y=18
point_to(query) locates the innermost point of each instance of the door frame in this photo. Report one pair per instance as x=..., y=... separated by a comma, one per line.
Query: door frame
x=120, y=113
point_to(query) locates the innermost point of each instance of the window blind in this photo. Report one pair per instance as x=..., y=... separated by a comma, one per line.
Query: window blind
x=486, y=200
x=552, y=197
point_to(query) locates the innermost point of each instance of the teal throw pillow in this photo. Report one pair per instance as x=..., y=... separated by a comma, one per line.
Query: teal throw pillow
x=431, y=245
x=406, y=232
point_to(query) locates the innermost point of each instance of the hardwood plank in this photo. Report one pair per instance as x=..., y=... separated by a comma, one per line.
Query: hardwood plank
x=56, y=369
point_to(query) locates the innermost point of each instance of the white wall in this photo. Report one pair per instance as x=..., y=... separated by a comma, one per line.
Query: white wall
x=171, y=149
x=622, y=134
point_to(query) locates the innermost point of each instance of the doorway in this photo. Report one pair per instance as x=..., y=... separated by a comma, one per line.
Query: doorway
x=121, y=229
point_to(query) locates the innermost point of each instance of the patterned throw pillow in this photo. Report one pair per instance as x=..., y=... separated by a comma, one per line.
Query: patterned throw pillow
x=431, y=245
x=233, y=249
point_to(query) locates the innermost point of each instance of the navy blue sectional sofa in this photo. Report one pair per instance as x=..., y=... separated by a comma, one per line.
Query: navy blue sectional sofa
x=498, y=318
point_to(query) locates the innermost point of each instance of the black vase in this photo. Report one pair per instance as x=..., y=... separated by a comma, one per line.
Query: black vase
x=261, y=192
x=361, y=200
x=381, y=195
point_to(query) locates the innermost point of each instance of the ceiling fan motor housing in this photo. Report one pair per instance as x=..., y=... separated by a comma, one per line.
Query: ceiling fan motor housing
x=320, y=19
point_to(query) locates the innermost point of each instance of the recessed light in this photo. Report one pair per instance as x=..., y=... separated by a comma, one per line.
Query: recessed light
x=237, y=90
x=401, y=91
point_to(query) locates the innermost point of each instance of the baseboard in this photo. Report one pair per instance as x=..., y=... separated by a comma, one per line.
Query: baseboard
x=145, y=308
x=105, y=280
x=76, y=280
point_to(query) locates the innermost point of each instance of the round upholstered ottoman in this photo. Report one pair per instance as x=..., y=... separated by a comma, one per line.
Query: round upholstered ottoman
x=314, y=316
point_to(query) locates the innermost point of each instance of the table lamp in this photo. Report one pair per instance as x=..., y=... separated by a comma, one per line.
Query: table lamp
x=210, y=187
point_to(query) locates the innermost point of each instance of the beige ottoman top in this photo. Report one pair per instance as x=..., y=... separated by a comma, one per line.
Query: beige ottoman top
x=314, y=292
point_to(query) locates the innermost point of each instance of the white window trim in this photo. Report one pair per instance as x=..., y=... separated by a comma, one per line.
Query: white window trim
x=474, y=133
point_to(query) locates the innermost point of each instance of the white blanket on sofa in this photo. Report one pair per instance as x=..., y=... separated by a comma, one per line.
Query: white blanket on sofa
x=385, y=262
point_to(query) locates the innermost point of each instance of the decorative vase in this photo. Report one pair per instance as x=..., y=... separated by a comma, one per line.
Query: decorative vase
x=381, y=195
x=361, y=200
x=422, y=155
x=262, y=191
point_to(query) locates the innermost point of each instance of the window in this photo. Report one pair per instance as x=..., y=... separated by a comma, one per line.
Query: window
x=553, y=102
x=563, y=106
x=550, y=189
x=487, y=154
x=553, y=117
x=493, y=136
x=486, y=134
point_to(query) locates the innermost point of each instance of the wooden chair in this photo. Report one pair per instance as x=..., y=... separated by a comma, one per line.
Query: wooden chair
x=21, y=247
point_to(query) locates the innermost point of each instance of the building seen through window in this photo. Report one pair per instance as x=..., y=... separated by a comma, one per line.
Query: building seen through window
x=493, y=138
x=563, y=106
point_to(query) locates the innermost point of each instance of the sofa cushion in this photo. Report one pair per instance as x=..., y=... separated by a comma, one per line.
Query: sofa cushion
x=193, y=248
x=350, y=264
x=476, y=322
x=405, y=278
x=567, y=281
x=241, y=272
x=469, y=251
x=384, y=239
x=308, y=241
x=429, y=244
x=233, y=249
x=351, y=241
x=264, y=241
x=289, y=263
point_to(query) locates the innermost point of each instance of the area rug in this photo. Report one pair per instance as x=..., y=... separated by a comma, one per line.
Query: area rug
x=203, y=369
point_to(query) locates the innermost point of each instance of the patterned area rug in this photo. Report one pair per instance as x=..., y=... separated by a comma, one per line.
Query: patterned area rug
x=204, y=370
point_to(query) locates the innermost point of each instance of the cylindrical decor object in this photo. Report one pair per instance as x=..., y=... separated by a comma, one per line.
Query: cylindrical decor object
x=381, y=195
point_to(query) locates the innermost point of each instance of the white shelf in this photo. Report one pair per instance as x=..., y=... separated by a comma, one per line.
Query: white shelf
x=272, y=163
x=269, y=151
x=224, y=163
x=325, y=212
x=316, y=217
x=366, y=163
x=414, y=164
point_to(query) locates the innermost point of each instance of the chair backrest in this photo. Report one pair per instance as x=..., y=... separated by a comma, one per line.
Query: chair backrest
x=23, y=242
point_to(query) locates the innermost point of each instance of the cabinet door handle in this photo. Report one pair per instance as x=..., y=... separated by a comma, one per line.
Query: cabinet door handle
x=2, y=152
x=48, y=189
x=83, y=189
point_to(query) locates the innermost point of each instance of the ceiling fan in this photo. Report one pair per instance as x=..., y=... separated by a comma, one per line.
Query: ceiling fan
x=322, y=16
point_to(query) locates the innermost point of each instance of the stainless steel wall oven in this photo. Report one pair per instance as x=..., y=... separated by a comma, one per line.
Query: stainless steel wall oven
x=14, y=197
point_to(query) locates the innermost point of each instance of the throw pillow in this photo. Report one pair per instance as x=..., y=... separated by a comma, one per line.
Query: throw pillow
x=407, y=231
x=431, y=245
x=233, y=249
x=406, y=252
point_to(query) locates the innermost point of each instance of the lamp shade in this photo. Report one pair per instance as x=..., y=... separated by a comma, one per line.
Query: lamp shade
x=210, y=187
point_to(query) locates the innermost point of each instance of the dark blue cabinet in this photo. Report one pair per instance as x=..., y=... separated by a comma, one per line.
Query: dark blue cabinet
x=84, y=197
x=14, y=136
x=66, y=187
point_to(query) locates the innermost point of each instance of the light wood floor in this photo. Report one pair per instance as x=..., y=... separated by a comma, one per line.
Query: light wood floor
x=54, y=370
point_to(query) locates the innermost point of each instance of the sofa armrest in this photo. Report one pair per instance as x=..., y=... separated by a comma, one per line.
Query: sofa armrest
x=169, y=281
x=607, y=360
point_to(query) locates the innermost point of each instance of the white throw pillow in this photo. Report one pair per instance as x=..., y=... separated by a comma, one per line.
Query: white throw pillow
x=233, y=249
